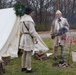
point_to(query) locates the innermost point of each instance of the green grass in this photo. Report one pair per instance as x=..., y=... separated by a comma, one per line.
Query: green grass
x=73, y=26
x=47, y=27
x=43, y=67
x=43, y=27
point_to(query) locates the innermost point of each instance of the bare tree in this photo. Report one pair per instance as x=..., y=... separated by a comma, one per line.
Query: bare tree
x=45, y=9
x=0, y=4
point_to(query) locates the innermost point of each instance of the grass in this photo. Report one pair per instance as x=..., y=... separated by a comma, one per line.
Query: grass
x=42, y=27
x=47, y=27
x=73, y=26
x=43, y=67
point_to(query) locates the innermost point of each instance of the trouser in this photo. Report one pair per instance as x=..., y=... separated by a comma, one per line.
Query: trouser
x=56, y=49
x=26, y=59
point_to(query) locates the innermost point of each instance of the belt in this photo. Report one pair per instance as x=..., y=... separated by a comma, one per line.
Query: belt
x=25, y=33
x=29, y=34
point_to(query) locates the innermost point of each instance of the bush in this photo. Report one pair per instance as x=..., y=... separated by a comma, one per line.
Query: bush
x=19, y=8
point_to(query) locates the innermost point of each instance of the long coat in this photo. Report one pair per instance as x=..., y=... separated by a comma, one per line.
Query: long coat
x=55, y=28
x=27, y=43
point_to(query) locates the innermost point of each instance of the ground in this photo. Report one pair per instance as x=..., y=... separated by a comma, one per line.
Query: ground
x=42, y=67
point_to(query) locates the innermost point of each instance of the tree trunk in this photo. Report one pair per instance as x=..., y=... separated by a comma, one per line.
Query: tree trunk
x=6, y=59
x=2, y=70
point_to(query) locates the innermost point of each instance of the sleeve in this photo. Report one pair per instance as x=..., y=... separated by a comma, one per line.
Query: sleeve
x=67, y=24
x=32, y=30
x=21, y=30
x=52, y=28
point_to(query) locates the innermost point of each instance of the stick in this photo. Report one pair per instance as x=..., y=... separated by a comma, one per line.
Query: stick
x=69, y=49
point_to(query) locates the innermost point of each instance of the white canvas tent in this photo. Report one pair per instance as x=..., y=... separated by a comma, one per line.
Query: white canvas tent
x=10, y=34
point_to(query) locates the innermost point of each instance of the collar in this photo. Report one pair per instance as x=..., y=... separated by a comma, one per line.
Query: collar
x=27, y=18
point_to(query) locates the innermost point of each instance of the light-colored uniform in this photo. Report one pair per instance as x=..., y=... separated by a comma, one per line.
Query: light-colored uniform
x=27, y=43
x=54, y=30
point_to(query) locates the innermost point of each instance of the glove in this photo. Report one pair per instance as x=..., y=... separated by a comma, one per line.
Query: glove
x=52, y=36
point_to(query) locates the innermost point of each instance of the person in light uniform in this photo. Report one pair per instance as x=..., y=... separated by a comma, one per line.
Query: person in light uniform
x=59, y=41
x=28, y=39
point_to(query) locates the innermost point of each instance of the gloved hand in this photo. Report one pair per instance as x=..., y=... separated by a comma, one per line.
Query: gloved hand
x=52, y=36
